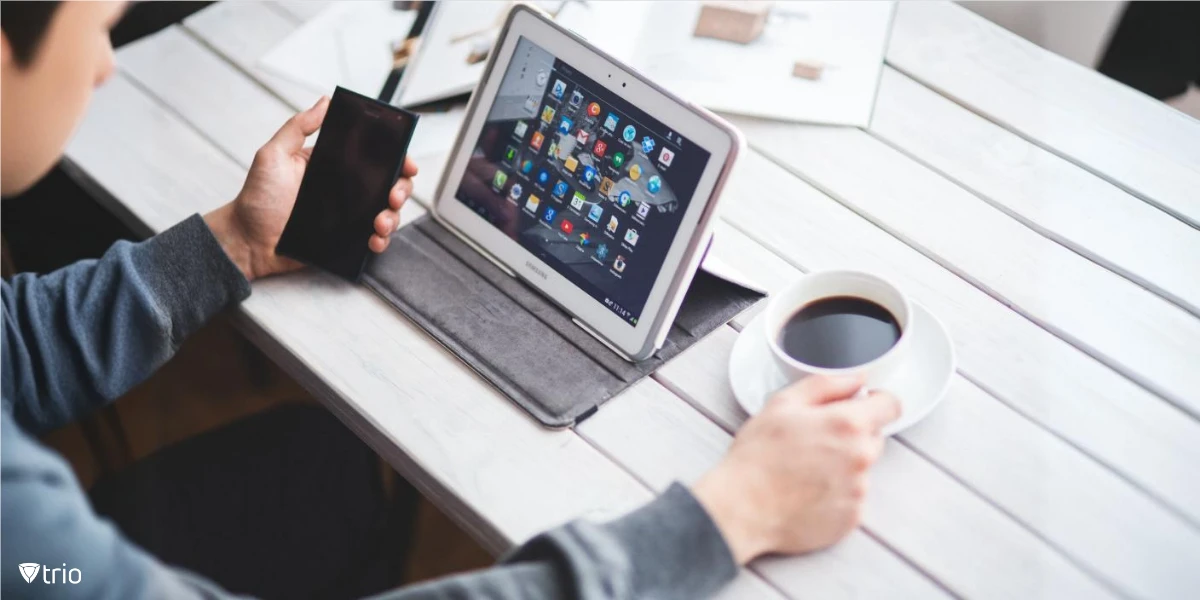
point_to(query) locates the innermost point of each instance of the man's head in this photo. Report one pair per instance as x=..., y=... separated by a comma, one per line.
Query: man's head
x=51, y=56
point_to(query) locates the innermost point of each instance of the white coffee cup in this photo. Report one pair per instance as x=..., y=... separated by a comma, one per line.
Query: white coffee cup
x=831, y=284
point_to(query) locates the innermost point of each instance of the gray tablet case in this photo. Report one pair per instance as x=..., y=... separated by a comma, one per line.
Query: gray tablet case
x=515, y=338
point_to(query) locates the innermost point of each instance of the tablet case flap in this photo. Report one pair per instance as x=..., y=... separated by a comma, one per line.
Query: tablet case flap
x=514, y=337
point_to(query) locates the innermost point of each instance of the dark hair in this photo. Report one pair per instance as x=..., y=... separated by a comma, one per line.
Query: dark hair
x=25, y=24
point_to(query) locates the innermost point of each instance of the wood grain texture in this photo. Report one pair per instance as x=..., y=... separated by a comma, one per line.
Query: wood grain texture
x=442, y=427
x=233, y=111
x=1115, y=132
x=660, y=439
x=1110, y=527
x=1044, y=191
x=1079, y=399
x=243, y=32
x=1017, y=542
x=1130, y=329
x=300, y=10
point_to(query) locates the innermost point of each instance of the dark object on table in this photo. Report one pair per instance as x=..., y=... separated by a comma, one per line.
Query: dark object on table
x=1156, y=48
x=498, y=325
x=405, y=50
x=357, y=159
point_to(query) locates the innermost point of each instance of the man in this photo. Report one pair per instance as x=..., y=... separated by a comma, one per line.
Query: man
x=73, y=340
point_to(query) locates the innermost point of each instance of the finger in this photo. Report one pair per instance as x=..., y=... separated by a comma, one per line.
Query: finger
x=400, y=192
x=291, y=136
x=306, y=153
x=410, y=167
x=386, y=222
x=378, y=243
x=821, y=389
x=877, y=409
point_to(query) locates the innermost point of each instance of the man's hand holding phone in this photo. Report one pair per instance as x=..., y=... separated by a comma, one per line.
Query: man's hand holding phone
x=250, y=226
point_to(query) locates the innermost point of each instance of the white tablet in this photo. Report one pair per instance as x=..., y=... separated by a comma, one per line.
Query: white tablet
x=595, y=186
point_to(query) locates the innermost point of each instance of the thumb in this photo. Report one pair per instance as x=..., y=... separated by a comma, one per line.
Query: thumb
x=291, y=136
x=815, y=390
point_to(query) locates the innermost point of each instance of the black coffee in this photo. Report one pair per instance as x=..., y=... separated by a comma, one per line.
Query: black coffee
x=839, y=332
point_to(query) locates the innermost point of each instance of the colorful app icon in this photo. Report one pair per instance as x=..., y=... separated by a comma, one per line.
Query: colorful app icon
x=578, y=200
x=624, y=199
x=560, y=188
x=629, y=133
x=499, y=178
x=612, y=224
x=510, y=154
x=635, y=172
x=549, y=215
x=547, y=114
x=602, y=251
x=532, y=203
x=571, y=163
x=566, y=226
x=553, y=153
x=577, y=98
x=582, y=137
x=606, y=186
x=564, y=126
x=543, y=177
x=559, y=89
x=584, y=239
x=610, y=122
x=526, y=166
x=536, y=141
x=643, y=211
x=619, y=264
x=589, y=175
x=531, y=104
x=654, y=184
x=618, y=160
x=593, y=110
x=666, y=156
x=515, y=191
x=599, y=148
x=595, y=213
x=520, y=129
x=647, y=145
x=631, y=237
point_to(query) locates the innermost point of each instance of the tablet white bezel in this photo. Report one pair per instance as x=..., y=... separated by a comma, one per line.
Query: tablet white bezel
x=683, y=256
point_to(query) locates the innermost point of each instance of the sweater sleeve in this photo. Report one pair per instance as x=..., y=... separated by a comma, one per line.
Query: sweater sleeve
x=668, y=549
x=81, y=336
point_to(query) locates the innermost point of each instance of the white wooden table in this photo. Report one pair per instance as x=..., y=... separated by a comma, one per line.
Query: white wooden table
x=1048, y=215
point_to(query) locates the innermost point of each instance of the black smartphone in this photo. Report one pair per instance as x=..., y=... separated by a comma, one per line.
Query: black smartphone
x=357, y=159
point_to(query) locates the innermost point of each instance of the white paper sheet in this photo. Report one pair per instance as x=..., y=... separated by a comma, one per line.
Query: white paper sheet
x=347, y=44
x=656, y=38
x=755, y=79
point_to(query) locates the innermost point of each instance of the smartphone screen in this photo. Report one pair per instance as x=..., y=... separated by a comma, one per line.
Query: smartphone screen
x=357, y=158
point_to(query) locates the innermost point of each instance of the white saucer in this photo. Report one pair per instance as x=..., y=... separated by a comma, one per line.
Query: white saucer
x=919, y=385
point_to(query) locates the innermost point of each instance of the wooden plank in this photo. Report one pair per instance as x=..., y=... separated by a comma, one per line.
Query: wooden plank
x=967, y=544
x=1042, y=377
x=1124, y=136
x=1128, y=328
x=661, y=440
x=1045, y=192
x=300, y=10
x=243, y=32
x=501, y=474
x=1119, y=534
x=201, y=92
x=137, y=132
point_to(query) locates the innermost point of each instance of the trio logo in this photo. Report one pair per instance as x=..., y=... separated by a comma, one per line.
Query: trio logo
x=29, y=571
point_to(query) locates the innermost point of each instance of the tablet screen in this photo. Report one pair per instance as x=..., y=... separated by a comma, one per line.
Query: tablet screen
x=587, y=182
